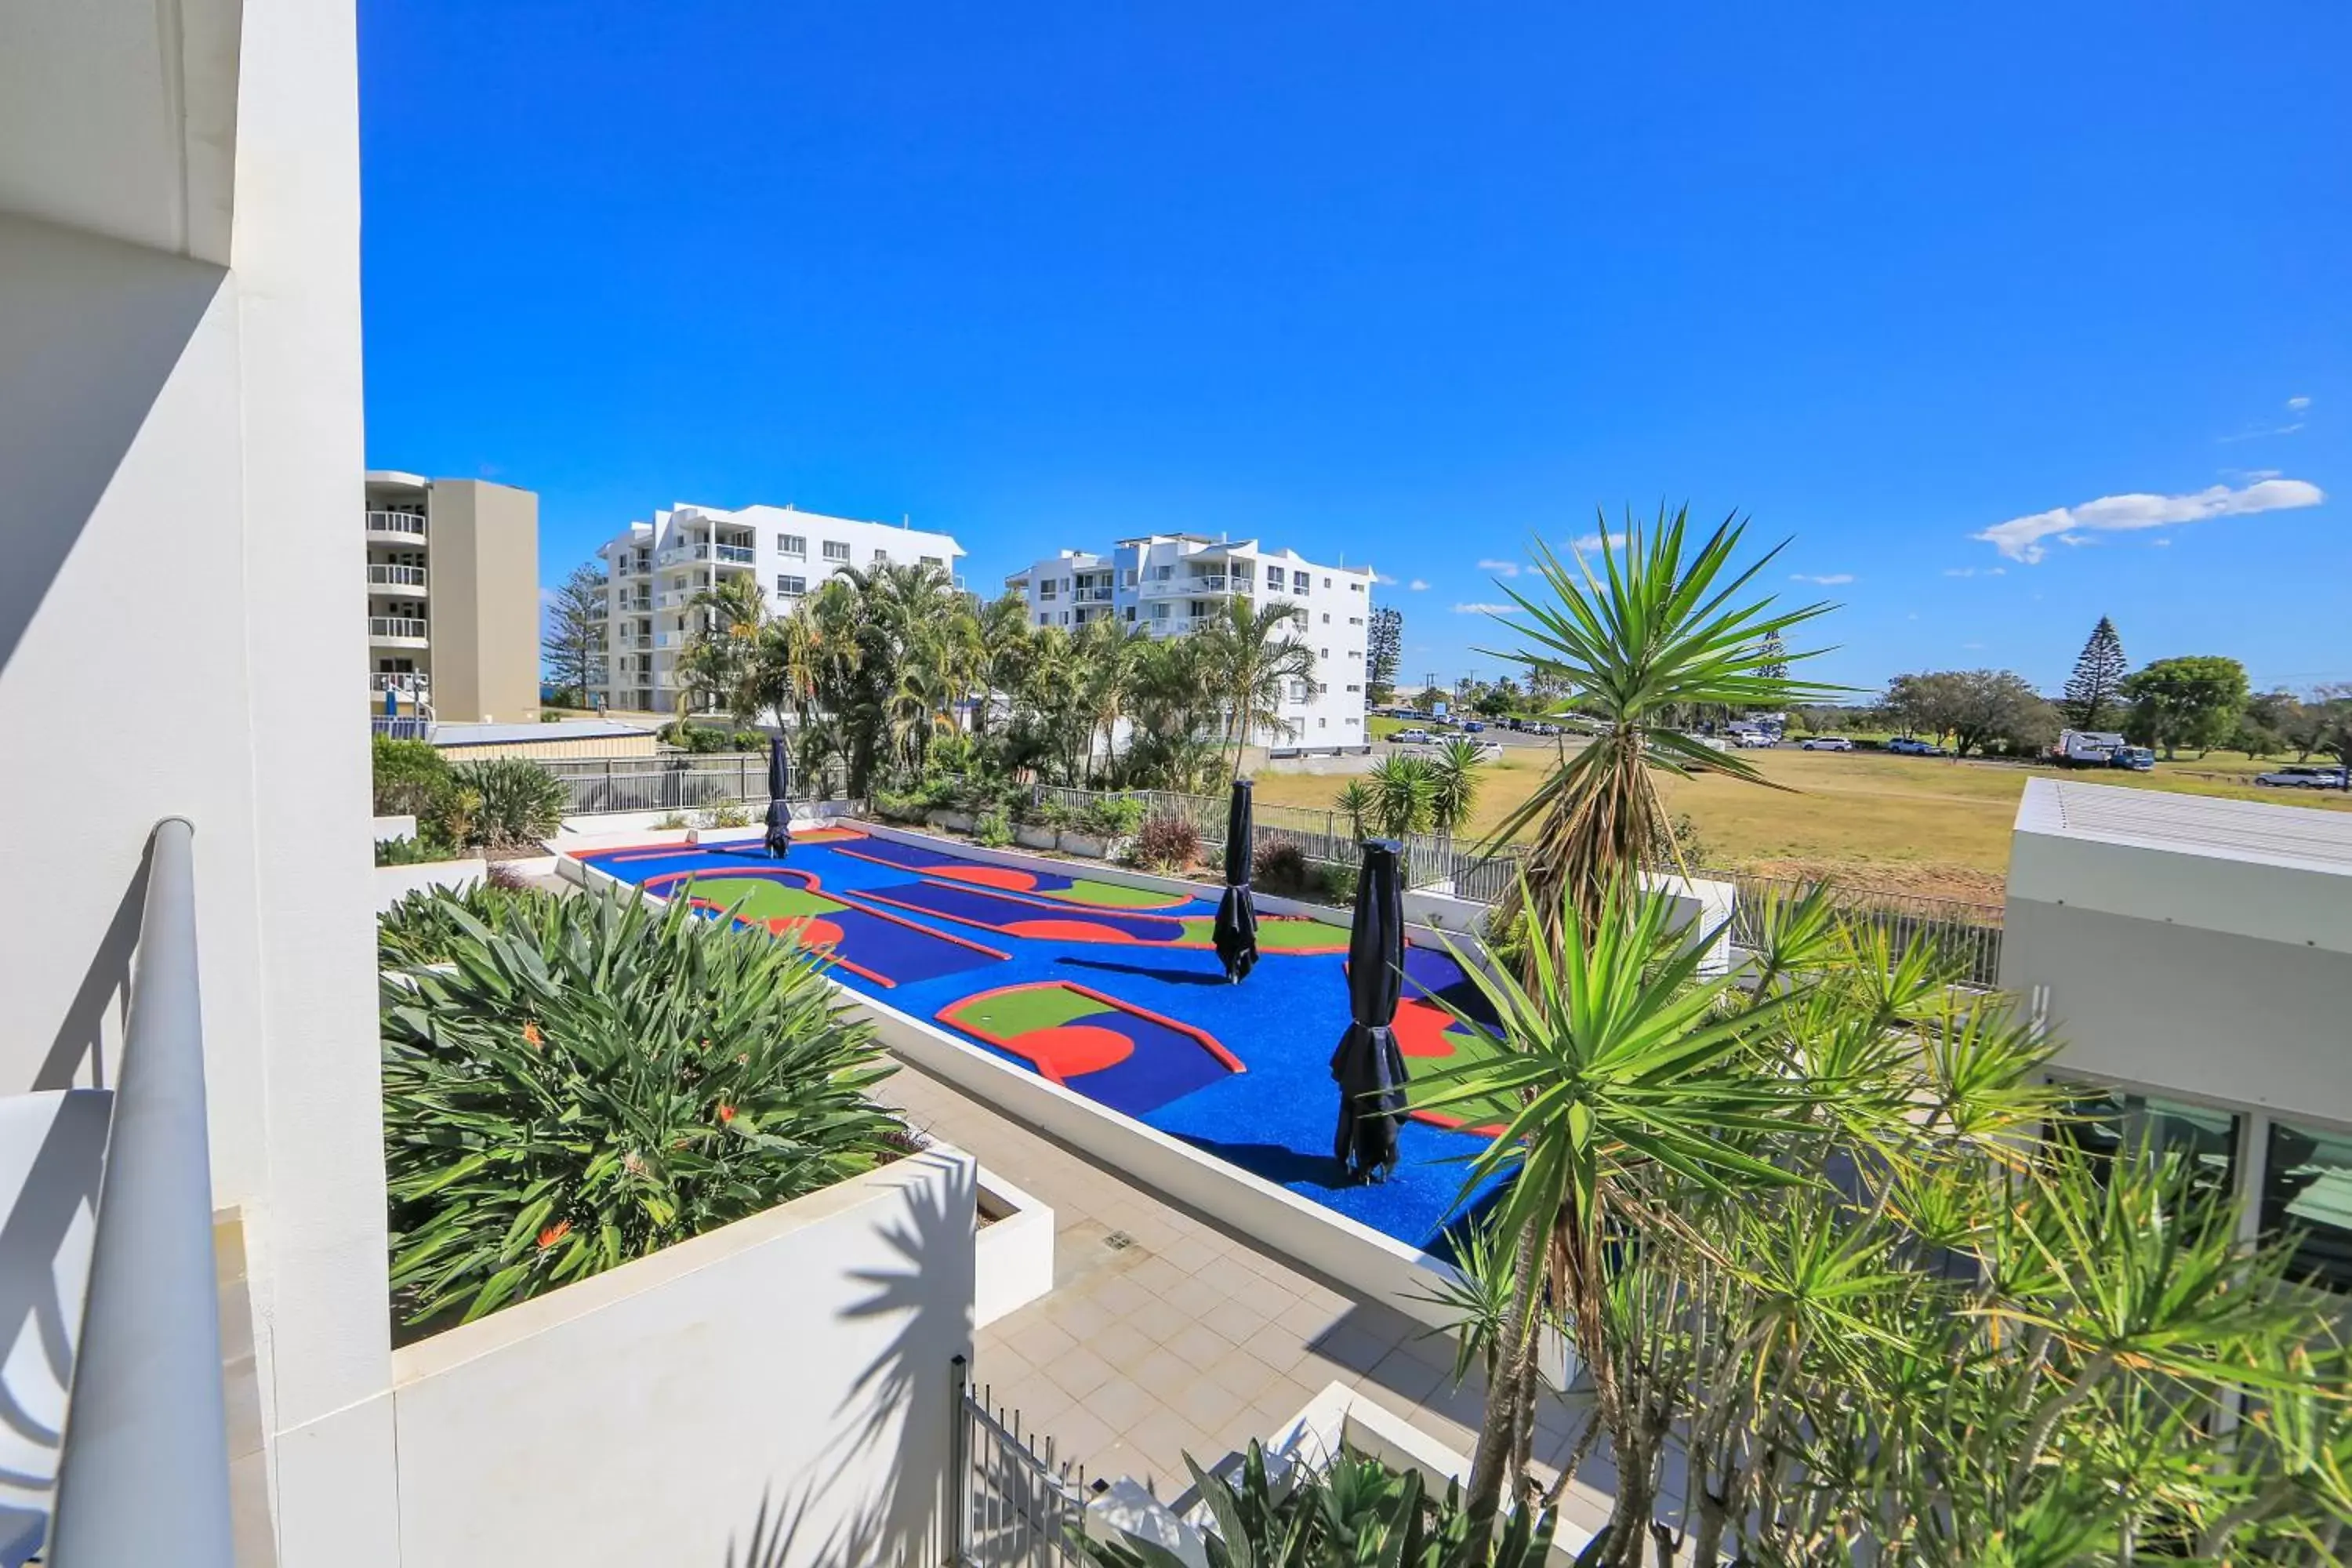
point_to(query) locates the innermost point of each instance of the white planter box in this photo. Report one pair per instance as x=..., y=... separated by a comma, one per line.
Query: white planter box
x=394, y=827
x=1036, y=836
x=952, y=821
x=794, y=1365
x=1013, y=1251
x=1093, y=848
x=393, y=883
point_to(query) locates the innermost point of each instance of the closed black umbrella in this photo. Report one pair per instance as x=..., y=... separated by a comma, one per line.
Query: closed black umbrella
x=1368, y=1066
x=1236, y=932
x=779, y=812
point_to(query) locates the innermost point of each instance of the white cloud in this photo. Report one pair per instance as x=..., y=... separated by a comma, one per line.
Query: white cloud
x=1974, y=572
x=1417, y=587
x=1590, y=541
x=2297, y=405
x=1830, y=580
x=2020, y=538
x=1972, y=647
x=2160, y=544
x=1500, y=568
x=1384, y=580
x=1481, y=609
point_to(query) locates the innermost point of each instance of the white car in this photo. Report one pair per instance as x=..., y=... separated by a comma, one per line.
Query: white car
x=1827, y=743
x=1410, y=738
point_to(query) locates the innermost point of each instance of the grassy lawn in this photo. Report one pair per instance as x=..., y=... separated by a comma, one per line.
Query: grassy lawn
x=1918, y=825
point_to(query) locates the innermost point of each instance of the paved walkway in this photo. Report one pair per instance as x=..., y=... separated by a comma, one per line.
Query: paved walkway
x=1165, y=1335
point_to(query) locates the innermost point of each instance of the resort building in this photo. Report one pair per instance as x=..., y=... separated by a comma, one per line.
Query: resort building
x=653, y=570
x=2194, y=955
x=453, y=597
x=1169, y=584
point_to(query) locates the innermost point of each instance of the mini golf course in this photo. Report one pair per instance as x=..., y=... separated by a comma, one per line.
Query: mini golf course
x=1111, y=991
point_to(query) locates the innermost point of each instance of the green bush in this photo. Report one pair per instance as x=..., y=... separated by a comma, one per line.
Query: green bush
x=1167, y=841
x=1111, y=816
x=598, y=1079
x=1337, y=881
x=423, y=927
x=701, y=739
x=1280, y=868
x=520, y=802
x=992, y=828
x=728, y=814
x=416, y=851
x=412, y=778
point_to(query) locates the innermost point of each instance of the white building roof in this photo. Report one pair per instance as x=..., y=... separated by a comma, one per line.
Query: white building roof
x=2303, y=837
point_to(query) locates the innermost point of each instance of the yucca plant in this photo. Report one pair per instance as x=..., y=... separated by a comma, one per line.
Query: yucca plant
x=1403, y=796
x=1355, y=1511
x=520, y=802
x=423, y=927
x=597, y=1080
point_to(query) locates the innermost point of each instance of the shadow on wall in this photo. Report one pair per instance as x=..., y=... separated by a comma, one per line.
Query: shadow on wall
x=91, y=1029
x=76, y=385
x=50, y=1175
x=905, y=1399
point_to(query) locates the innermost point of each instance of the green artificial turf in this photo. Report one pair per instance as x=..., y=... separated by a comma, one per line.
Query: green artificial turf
x=762, y=898
x=1016, y=1013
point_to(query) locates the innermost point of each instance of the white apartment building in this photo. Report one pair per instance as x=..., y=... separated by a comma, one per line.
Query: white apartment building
x=653, y=570
x=1169, y=584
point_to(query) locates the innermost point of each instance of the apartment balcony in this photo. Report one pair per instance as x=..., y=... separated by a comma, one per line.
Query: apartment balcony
x=394, y=528
x=671, y=639
x=633, y=642
x=397, y=631
x=1091, y=595
x=405, y=582
x=698, y=551
x=412, y=684
x=675, y=598
x=1200, y=585
x=641, y=605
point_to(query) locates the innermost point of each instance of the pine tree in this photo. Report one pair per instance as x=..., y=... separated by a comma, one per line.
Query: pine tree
x=1384, y=643
x=2092, y=690
x=1776, y=657
x=572, y=638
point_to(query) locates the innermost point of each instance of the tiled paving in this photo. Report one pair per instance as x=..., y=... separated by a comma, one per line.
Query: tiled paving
x=1185, y=1339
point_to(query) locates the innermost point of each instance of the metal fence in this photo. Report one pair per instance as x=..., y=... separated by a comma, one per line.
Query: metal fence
x=1968, y=935
x=676, y=782
x=1012, y=1503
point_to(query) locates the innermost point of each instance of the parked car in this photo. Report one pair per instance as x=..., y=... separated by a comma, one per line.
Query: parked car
x=1412, y=737
x=2304, y=778
x=1826, y=743
x=1473, y=726
x=1912, y=746
x=1543, y=729
x=1751, y=738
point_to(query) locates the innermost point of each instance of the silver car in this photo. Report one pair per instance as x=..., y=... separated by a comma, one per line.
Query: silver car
x=1826, y=743
x=2302, y=778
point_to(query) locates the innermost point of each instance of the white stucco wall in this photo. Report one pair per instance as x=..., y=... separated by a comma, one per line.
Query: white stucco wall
x=181, y=445
x=776, y=1393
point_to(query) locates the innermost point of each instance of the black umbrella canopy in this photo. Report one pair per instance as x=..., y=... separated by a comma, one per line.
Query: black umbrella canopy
x=779, y=787
x=1236, y=929
x=1368, y=1065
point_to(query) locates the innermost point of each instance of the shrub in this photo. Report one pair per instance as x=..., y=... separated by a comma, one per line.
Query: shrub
x=672, y=821
x=422, y=928
x=728, y=814
x=411, y=778
x=750, y=741
x=414, y=851
x=598, y=1079
x=1337, y=881
x=521, y=803
x=993, y=827
x=1111, y=816
x=1279, y=867
x=1167, y=841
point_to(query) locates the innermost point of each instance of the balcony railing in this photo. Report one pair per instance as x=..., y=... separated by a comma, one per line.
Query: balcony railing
x=1091, y=595
x=1195, y=585
x=408, y=683
x=395, y=626
x=143, y=1470
x=405, y=522
x=395, y=576
x=703, y=550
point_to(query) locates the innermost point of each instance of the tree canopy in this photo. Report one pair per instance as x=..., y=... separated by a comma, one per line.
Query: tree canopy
x=2089, y=698
x=1973, y=707
x=2193, y=701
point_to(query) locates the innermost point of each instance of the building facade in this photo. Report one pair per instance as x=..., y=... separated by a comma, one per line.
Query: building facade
x=1169, y=584
x=653, y=570
x=453, y=597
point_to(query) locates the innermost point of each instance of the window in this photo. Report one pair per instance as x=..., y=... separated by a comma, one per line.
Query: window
x=1274, y=576
x=880, y=556
x=1355, y=688
x=836, y=549
x=1322, y=723
x=1356, y=588
x=2104, y=1123
x=1327, y=617
x=792, y=544
x=1355, y=620
x=1355, y=653
x=1045, y=588
x=1130, y=576
x=1131, y=613
x=2306, y=1175
x=1160, y=612
x=1327, y=581
x=935, y=561
x=1325, y=654
x=791, y=587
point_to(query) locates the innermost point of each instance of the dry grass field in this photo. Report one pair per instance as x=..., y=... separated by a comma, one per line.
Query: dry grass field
x=1918, y=825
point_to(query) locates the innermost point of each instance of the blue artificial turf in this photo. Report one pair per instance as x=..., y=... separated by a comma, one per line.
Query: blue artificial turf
x=1276, y=1119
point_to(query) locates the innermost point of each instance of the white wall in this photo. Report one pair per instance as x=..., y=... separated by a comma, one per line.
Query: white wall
x=182, y=446
x=777, y=1392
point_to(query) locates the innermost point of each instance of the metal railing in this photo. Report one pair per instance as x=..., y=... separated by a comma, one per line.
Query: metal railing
x=676, y=782
x=395, y=626
x=1012, y=1503
x=143, y=1470
x=404, y=522
x=395, y=576
x=1968, y=935
x=407, y=683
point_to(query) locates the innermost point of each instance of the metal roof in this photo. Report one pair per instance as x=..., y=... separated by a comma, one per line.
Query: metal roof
x=510, y=735
x=2307, y=838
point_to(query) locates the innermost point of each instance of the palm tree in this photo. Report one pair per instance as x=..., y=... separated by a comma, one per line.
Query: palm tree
x=1256, y=656
x=1403, y=791
x=1657, y=634
x=1454, y=785
x=715, y=666
x=1355, y=802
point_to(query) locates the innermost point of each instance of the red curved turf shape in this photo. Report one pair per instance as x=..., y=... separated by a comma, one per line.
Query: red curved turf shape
x=1421, y=1028
x=1072, y=1050
x=1003, y=876
x=809, y=931
x=1067, y=930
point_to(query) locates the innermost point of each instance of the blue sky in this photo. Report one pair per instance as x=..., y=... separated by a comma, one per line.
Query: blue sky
x=1413, y=284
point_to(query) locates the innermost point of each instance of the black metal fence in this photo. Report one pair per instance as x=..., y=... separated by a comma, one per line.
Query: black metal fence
x=1013, y=1504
